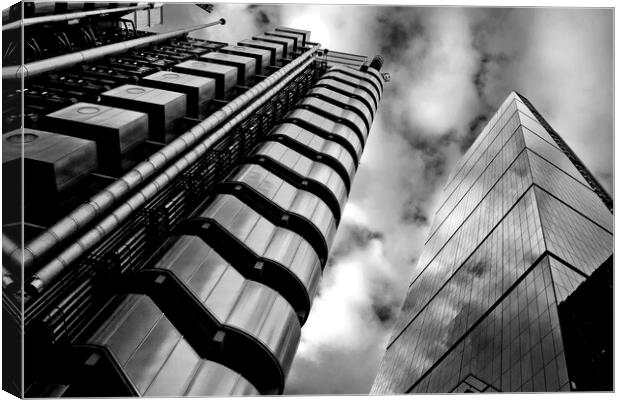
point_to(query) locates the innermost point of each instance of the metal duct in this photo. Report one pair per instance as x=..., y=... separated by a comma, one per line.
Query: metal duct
x=238, y=109
x=77, y=15
x=39, y=67
x=11, y=255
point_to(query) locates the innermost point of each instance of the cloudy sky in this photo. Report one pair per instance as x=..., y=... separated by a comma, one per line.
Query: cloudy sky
x=450, y=68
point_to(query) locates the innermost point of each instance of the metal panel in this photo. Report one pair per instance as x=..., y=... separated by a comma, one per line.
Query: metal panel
x=330, y=128
x=225, y=76
x=305, y=167
x=261, y=56
x=56, y=161
x=355, y=82
x=297, y=38
x=275, y=48
x=305, y=34
x=287, y=43
x=163, y=107
x=318, y=144
x=213, y=379
x=238, y=303
x=199, y=90
x=264, y=239
x=116, y=131
x=338, y=114
x=246, y=66
x=356, y=105
x=289, y=198
x=374, y=77
x=334, y=84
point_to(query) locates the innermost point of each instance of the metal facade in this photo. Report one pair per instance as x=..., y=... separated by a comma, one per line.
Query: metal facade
x=206, y=188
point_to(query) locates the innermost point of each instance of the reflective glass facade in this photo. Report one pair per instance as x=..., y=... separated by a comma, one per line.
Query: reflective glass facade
x=511, y=252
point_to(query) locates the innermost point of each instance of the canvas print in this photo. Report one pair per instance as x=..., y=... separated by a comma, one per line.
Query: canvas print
x=296, y=199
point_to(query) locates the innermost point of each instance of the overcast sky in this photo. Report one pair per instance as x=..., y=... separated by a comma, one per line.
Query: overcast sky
x=451, y=68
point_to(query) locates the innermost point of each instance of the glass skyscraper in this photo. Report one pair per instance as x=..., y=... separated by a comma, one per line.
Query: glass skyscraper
x=513, y=290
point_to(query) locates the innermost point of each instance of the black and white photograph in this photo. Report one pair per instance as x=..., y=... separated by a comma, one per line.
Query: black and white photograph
x=307, y=199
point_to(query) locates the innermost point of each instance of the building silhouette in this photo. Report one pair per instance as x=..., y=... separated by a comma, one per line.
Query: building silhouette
x=180, y=199
x=513, y=290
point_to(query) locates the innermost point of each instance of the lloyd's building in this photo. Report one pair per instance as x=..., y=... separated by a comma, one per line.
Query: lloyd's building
x=513, y=290
x=180, y=198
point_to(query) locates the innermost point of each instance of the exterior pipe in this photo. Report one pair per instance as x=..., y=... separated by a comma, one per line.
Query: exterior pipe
x=77, y=15
x=358, y=56
x=66, y=60
x=11, y=254
x=238, y=109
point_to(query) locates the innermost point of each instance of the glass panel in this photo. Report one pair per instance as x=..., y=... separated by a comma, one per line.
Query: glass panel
x=535, y=127
x=552, y=154
x=571, y=237
x=489, y=271
x=483, y=141
x=508, y=348
x=458, y=209
x=461, y=232
x=565, y=280
x=576, y=195
x=471, y=170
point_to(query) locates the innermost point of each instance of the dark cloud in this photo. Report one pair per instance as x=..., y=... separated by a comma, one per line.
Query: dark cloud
x=266, y=16
x=414, y=214
x=396, y=28
x=351, y=238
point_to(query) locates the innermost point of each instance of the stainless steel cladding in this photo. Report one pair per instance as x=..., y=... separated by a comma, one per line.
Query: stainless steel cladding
x=276, y=49
x=225, y=76
x=290, y=263
x=197, y=188
x=163, y=107
x=246, y=66
x=199, y=90
x=157, y=359
x=261, y=56
x=115, y=131
x=287, y=43
x=59, y=161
